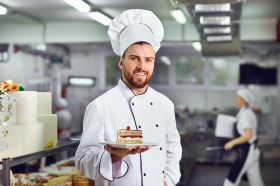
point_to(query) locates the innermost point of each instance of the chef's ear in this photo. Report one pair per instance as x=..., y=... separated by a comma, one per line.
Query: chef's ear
x=121, y=63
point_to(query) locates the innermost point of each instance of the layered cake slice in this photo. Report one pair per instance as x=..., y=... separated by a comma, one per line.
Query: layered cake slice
x=127, y=136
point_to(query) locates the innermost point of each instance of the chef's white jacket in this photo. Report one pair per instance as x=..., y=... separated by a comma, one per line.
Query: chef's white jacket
x=151, y=112
x=247, y=119
x=64, y=118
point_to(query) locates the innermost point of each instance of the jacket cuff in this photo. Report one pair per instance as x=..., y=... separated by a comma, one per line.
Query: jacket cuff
x=111, y=171
x=169, y=181
x=120, y=168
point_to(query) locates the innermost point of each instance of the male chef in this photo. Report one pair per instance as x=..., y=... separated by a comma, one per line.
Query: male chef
x=135, y=36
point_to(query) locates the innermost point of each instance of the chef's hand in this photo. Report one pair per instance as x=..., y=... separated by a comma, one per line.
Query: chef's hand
x=119, y=153
x=165, y=184
x=229, y=145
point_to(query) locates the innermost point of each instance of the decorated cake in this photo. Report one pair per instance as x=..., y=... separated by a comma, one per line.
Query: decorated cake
x=45, y=116
x=8, y=102
x=127, y=136
x=32, y=130
x=11, y=143
x=20, y=111
x=20, y=131
x=11, y=136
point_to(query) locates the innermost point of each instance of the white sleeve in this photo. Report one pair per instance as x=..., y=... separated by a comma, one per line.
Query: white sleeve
x=174, y=152
x=244, y=121
x=91, y=158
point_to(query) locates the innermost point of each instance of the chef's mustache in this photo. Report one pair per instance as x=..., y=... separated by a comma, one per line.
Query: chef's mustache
x=141, y=70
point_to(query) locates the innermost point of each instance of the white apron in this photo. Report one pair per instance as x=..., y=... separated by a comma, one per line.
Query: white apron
x=246, y=164
x=151, y=112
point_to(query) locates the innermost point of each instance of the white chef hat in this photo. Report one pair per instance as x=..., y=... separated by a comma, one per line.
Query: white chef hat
x=134, y=26
x=61, y=102
x=246, y=95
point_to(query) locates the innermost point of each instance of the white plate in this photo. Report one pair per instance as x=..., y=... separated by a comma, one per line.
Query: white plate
x=125, y=146
x=75, y=139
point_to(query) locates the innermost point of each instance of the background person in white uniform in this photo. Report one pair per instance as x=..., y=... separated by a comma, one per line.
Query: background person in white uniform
x=135, y=36
x=64, y=118
x=246, y=164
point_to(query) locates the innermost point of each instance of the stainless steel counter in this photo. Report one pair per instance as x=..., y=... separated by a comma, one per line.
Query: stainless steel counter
x=63, y=145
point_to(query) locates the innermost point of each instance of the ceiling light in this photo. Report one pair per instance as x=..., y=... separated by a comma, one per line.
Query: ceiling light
x=81, y=81
x=196, y=46
x=214, y=20
x=5, y=56
x=179, y=16
x=100, y=17
x=3, y=10
x=213, y=8
x=219, y=38
x=26, y=19
x=79, y=5
x=195, y=2
x=165, y=60
x=221, y=30
x=41, y=47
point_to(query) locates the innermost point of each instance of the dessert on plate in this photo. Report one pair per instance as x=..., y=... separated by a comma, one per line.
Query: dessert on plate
x=127, y=136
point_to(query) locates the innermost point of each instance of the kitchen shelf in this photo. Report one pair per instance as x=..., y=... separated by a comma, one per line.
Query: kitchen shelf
x=63, y=145
x=214, y=113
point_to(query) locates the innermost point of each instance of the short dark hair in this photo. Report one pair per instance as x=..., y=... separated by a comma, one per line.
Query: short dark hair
x=137, y=43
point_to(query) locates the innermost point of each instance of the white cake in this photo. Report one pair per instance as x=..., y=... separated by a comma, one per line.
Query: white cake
x=29, y=135
x=46, y=117
x=11, y=112
x=44, y=101
x=33, y=137
x=32, y=131
x=26, y=106
x=13, y=118
x=14, y=140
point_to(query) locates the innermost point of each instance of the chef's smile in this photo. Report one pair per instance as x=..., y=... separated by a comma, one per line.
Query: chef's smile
x=139, y=75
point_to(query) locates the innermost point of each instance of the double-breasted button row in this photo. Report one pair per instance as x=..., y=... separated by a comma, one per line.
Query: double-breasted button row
x=151, y=103
x=139, y=126
x=146, y=174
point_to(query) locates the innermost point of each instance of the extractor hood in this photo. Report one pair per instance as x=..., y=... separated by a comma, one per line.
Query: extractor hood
x=192, y=2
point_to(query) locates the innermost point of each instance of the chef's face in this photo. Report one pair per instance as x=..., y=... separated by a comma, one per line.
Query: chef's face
x=240, y=102
x=137, y=64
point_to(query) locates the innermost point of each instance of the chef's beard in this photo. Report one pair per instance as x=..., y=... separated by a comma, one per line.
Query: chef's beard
x=136, y=83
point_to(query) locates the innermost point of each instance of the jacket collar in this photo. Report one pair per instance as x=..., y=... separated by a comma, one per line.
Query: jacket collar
x=241, y=112
x=127, y=92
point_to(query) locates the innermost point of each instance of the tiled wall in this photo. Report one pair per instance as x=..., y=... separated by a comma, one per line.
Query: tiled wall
x=21, y=66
